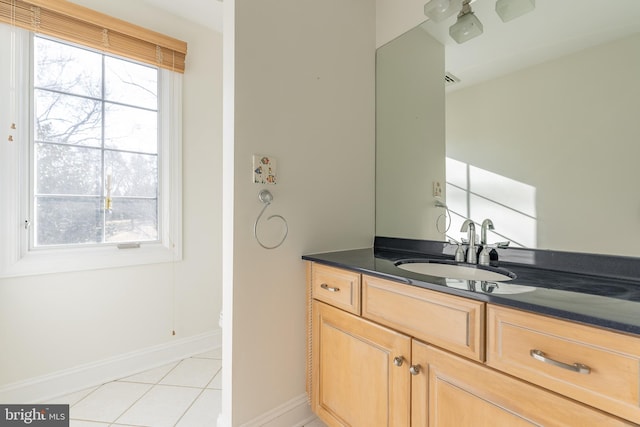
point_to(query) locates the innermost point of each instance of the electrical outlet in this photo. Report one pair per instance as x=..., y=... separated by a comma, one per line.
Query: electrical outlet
x=437, y=189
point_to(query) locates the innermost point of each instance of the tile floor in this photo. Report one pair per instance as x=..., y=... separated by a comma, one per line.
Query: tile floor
x=187, y=393
x=181, y=394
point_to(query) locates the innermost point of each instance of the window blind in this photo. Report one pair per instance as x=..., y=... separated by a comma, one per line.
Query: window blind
x=78, y=24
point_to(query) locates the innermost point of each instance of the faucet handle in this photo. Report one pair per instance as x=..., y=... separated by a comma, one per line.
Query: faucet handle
x=459, y=257
x=484, y=258
x=485, y=255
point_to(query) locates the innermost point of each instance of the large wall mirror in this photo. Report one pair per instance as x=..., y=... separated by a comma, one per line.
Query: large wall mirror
x=541, y=133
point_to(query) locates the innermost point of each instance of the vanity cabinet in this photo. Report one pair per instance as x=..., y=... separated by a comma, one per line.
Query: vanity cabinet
x=453, y=391
x=338, y=287
x=597, y=367
x=414, y=357
x=448, y=321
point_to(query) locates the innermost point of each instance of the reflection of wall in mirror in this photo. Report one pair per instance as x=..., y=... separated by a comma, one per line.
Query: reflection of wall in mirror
x=476, y=193
x=568, y=129
x=410, y=142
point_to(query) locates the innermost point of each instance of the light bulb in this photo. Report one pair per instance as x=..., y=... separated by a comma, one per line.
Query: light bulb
x=466, y=27
x=438, y=10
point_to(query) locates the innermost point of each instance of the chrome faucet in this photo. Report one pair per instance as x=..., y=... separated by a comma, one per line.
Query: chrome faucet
x=485, y=257
x=487, y=224
x=469, y=226
x=485, y=254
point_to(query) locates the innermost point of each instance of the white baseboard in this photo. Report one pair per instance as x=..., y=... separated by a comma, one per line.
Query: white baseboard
x=294, y=413
x=56, y=384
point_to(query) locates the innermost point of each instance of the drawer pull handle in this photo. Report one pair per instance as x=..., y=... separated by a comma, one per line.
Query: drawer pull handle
x=329, y=288
x=398, y=360
x=575, y=367
x=414, y=369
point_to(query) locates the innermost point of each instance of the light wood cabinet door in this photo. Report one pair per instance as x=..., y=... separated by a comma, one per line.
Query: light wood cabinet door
x=355, y=378
x=452, y=391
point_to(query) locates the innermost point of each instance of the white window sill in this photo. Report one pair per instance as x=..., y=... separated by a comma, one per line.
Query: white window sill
x=83, y=259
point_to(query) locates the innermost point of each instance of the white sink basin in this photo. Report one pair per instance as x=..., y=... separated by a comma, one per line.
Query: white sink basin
x=455, y=271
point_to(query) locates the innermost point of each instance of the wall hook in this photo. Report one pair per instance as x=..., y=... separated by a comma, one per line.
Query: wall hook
x=266, y=197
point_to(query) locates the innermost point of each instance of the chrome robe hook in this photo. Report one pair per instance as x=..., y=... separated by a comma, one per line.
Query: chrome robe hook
x=266, y=197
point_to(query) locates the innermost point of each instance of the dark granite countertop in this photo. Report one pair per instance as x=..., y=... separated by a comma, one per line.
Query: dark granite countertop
x=607, y=301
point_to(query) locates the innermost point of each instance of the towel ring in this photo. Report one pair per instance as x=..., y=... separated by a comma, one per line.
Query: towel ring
x=266, y=197
x=444, y=216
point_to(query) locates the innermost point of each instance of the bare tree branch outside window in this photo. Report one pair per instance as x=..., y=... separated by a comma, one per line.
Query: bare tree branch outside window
x=95, y=135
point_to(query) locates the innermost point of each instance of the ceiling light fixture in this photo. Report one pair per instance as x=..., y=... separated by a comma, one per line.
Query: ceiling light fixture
x=438, y=10
x=467, y=26
x=510, y=9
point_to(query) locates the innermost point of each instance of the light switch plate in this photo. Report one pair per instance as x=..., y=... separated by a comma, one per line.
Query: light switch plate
x=264, y=169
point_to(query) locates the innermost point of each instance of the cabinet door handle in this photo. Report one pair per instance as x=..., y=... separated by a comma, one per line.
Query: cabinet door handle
x=575, y=367
x=329, y=288
x=398, y=360
x=414, y=369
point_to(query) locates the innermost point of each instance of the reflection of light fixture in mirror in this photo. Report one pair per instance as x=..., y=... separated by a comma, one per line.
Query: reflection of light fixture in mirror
x=510, y=9
x=467, y=26
x=437, y=10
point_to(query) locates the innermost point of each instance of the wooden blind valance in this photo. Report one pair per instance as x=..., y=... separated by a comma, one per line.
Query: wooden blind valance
x=77, y=24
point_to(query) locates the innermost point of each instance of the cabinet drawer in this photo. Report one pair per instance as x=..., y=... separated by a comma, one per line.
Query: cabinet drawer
x=447, y=321
x=335, y=286
x=607, y=374
x=451, y=391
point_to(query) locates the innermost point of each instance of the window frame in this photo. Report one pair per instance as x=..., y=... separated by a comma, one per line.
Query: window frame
x=16, y=257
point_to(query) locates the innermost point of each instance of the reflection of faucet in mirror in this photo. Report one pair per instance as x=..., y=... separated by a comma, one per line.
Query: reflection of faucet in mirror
x=488, y=287
x=471, y=285
x=469, y=226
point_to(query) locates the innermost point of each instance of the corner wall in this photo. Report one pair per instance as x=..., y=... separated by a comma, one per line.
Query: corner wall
x=304, y=93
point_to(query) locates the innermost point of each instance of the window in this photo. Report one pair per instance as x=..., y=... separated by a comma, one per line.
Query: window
x=95, y=148
x=92, y=178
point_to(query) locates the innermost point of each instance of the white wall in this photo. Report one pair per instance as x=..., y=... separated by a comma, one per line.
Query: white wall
x=50, y=323
x=304, y=93
x=569, y=128
x=410, y=136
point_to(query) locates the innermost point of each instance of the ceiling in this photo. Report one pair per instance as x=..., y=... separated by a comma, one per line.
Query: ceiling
x=204, y=12
x=555, y=28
